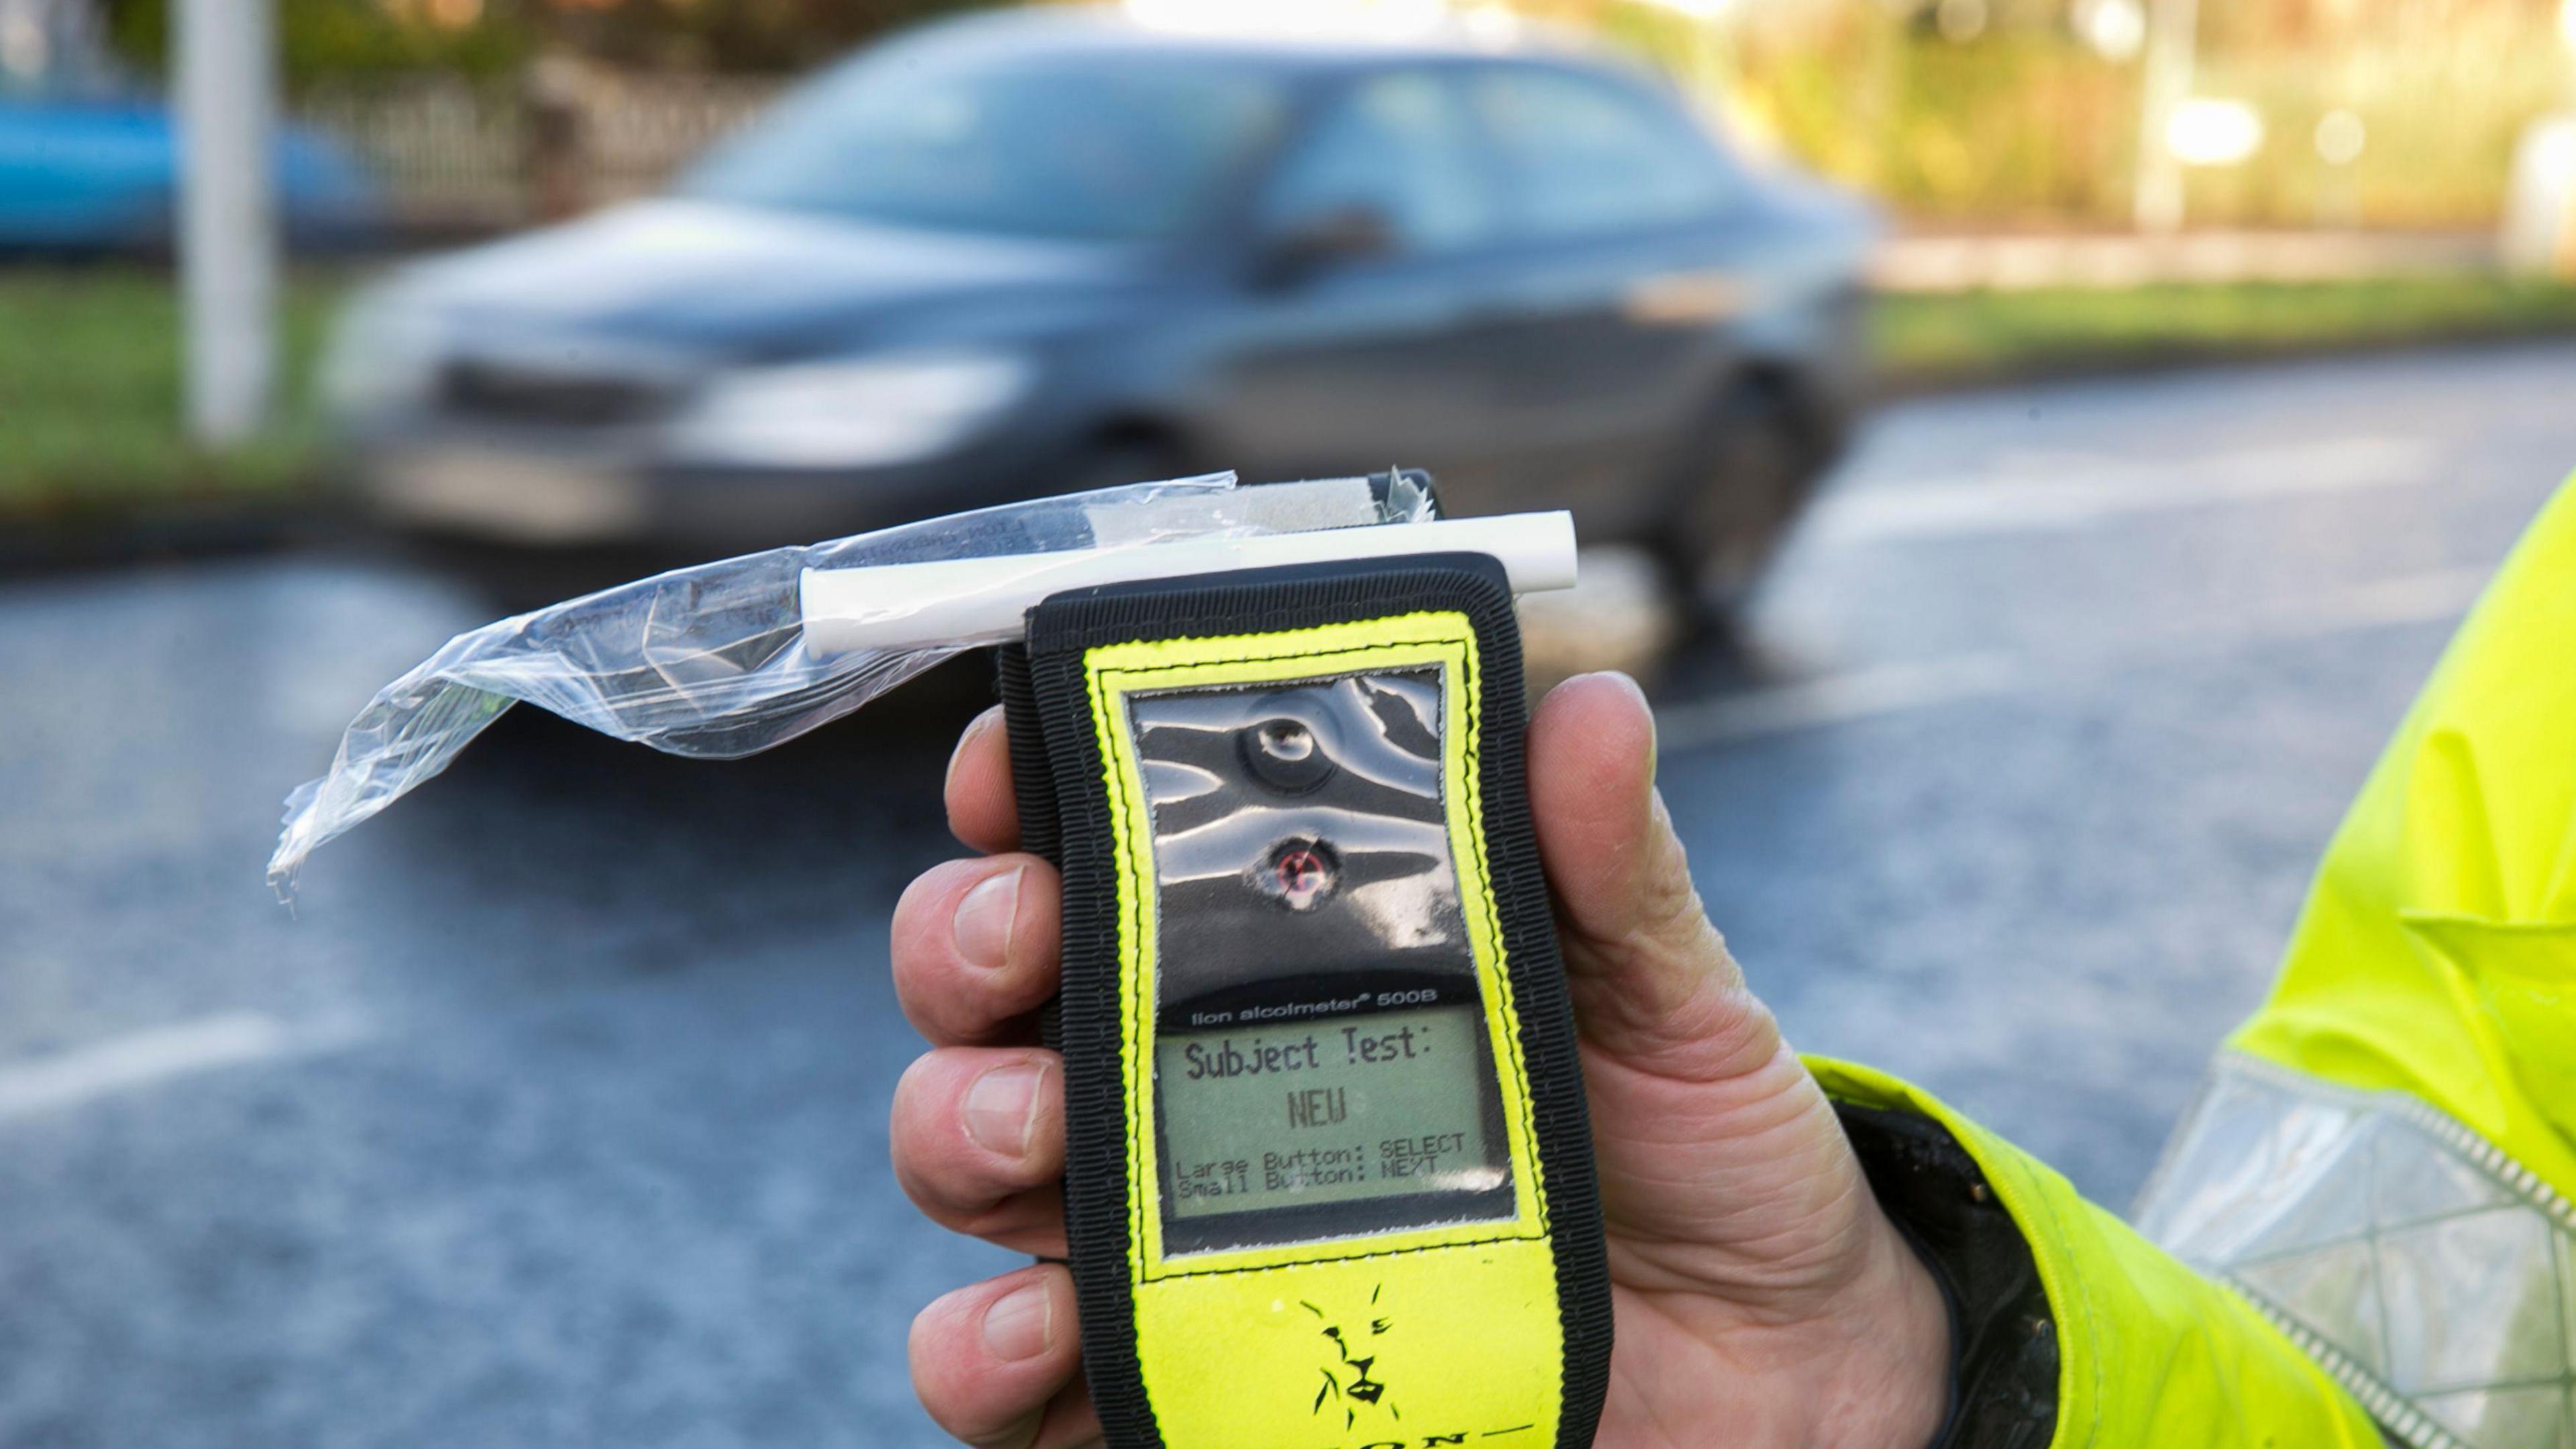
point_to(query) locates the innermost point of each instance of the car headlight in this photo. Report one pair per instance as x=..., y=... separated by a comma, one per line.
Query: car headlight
x=852, y=413
x=384, y=353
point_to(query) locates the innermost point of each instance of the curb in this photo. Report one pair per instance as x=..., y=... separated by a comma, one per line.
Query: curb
x=39, y=542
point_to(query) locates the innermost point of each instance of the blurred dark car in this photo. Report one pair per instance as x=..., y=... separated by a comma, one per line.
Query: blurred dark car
x=1045, y=250
x=89, y=164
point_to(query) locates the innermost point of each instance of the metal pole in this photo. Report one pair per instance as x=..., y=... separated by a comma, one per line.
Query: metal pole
x=2172, y=36
x=227, y=214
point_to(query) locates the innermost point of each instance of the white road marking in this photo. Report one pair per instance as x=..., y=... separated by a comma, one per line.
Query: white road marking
x=1892, y=688
x=2407, y=599
x=1834, y=698
x=147, y=1058
x=2086, y=490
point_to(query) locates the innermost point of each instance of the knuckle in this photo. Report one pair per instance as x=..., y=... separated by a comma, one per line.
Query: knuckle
x=956, y=1182
x=926, y=1142
x=940, y=1194
x=1022, y=1217
x=940, y=1008
x=938, y=994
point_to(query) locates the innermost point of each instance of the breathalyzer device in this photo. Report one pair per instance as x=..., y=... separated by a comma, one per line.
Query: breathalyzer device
x=1329, y=1179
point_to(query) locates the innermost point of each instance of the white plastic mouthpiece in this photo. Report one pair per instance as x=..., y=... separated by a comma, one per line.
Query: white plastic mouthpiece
x=974, y=601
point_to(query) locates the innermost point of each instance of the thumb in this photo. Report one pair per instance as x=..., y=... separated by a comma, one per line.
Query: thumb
x=1723, y=1168
x=1653, y=983
x=1737, y=1213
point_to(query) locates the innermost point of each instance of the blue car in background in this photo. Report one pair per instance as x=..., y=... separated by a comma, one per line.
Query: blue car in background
x=91, y=169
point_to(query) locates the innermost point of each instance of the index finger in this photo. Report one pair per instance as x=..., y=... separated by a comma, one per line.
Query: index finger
x=982, y=812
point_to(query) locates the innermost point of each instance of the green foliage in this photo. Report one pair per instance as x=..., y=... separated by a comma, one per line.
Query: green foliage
x=90, y=395
x=2443, y=93
x=2022, y=121
x=342, y=39
x=2019, y=119
x=734, y=35
x=321, y=39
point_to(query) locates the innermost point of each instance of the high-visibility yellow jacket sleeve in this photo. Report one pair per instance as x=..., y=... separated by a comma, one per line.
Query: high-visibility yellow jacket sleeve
x=2437, y=953
x=2435, y=964
x=2150, y=1354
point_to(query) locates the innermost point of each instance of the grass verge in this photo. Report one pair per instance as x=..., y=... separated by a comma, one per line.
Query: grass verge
x=1931, y=340
x=90, y=397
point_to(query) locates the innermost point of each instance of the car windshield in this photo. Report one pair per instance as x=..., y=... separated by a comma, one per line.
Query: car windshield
x=1107, y=148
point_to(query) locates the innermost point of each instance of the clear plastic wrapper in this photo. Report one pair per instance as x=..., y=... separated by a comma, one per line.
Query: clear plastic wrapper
x=712, y=661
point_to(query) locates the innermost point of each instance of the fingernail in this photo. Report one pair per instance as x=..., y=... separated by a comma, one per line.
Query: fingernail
x=1645, y=706
x=1020, y=1324
x=1002, y=1107
x=986, y=918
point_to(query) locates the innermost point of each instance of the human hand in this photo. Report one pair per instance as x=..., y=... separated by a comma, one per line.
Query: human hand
x=1762, y=1299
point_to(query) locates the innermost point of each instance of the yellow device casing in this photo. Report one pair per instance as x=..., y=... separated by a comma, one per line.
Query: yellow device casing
x=1491, y=1328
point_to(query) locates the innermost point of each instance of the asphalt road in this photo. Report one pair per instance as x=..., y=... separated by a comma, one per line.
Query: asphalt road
x=555, y=1114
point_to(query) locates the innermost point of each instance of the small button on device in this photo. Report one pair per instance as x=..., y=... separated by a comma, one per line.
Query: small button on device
x=1284, y=754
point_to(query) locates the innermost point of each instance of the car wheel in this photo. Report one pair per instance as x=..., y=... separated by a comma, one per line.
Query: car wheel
x=1743, y=480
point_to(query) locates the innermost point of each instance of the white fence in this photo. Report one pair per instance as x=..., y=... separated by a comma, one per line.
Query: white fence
x=453, y=155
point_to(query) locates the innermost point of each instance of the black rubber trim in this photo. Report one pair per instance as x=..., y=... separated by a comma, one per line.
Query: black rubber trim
x=1032, y=790
x=1060, y=631
x=1085, y=1028
x=1032, y=774
x=2003, y=1335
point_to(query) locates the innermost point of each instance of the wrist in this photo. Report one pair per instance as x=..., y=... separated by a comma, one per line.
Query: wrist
x=1885, y=1352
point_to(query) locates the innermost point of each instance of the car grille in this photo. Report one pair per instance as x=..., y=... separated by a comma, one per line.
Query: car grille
x=507, y=393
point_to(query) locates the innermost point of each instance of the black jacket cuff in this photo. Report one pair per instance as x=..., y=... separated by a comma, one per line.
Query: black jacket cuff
x=2003, y=1337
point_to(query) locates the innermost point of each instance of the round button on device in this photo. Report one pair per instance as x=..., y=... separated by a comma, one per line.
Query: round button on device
x=1300, y=873
x=1284, y=754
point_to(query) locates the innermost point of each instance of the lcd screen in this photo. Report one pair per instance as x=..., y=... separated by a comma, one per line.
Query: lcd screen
x=1376, y=1106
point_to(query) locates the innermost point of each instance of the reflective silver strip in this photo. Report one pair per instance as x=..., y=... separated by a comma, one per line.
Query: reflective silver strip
x=2428, y=1273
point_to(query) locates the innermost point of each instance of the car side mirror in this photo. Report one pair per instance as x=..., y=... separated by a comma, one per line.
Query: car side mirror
x=1320, y=242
